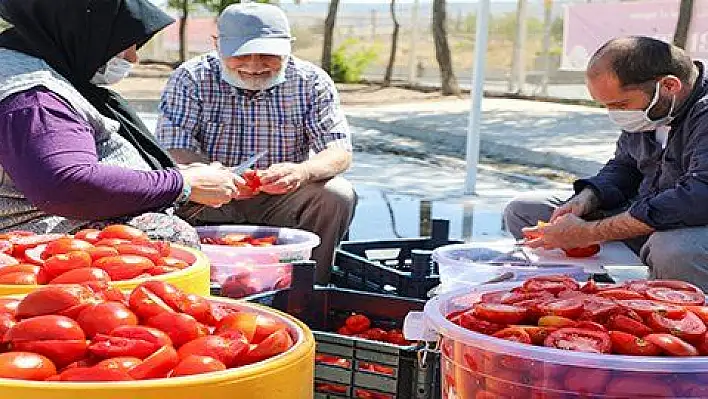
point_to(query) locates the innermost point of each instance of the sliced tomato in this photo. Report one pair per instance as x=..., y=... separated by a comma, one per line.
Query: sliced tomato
x=514, y=334
x=58, y=264
x=674, y=285
x=140, y=250
x=101, y=252
x=700, y=311
x=620, y=293
x=7, y=260
x=470, y=322
x=629, y=325
x=22, y=243
x=157, y=365
x=552, y=284
x=228, y=350
x=645, y=307
x=567, y=307
x=122, y=232
x=275, y=344
x=81, y=275
x=672, y=345
x=64, y=245
x=676, y=297
x=627, y=344
x=556, y=322
x=536, y=333
x=88, y=235
x=576, y=339
x=26, y=366
x=590, y=325
x=124, y=363
x=689, y=327
x=19, y=278
x=88, y=374
x=124, y=267
x=583, y=252
x=500, y=314
x=195, y=364
x=180, y=327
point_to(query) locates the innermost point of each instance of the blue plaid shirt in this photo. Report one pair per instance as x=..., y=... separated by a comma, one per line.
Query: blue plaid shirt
x=201, y=112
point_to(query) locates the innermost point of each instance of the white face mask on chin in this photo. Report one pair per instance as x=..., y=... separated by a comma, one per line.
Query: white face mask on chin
x=235, y=80
x=115, y=70
x=639, y=120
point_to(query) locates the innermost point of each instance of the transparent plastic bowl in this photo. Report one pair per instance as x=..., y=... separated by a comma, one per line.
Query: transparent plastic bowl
x=467, y=265
x=243, y=271
x=472, y=363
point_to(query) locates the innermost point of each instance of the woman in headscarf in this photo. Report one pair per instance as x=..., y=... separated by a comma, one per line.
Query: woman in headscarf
x=72, y=153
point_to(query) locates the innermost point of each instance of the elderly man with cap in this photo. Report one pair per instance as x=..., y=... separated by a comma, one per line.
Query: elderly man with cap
x=252, y=95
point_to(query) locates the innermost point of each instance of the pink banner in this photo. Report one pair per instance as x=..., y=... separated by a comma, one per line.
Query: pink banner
x=588, y=26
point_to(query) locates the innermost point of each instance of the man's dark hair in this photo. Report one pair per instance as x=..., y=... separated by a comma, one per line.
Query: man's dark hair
x=639, y=59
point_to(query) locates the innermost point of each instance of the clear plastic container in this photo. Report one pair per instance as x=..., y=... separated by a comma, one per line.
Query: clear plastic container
x=468, y=265
x=243, y=271
x=475, y=365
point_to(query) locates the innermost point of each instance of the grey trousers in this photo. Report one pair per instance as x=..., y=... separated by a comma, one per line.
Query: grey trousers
x=679, y=254
x=325, y=208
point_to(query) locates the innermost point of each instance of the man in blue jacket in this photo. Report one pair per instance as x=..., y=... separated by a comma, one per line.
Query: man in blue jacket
x=653, y=194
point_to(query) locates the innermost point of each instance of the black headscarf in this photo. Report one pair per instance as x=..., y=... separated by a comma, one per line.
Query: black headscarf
x=76, y=38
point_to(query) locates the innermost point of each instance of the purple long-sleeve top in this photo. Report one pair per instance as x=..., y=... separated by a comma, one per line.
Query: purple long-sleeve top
x=50, y=154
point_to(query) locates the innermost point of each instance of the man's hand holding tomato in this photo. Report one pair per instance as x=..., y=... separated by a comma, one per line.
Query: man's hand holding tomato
x=579, y=205
x=283, y=178
x=566, y=231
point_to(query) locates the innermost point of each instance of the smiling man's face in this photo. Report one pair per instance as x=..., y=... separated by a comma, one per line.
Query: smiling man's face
x=254, y=71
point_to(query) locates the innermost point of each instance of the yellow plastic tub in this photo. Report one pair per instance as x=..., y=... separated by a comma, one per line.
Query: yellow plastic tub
x=286, y=376
x=194, y=279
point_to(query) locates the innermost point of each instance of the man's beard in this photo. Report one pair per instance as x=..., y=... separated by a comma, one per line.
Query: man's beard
x=256, y=83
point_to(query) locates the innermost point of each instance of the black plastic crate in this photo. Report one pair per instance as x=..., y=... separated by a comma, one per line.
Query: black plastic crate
x=399, y=373
x=401, y=267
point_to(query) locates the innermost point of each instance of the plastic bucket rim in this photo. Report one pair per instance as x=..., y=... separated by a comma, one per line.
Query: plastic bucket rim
x=437, y=321
x=312, y=239
x=300, y=347
x=200, y=261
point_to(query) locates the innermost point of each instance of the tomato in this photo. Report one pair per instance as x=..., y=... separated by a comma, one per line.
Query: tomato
x=536, y=333
x=104, y=317
x=513, y=298
x=552, y=284
x=579, y=340
x=88, y=374
x=228, y=350
x=586, y=381
x=122, y=232
x=672, y=345
x=88, y=235
x=157, y=365
x=620, y=293
x=111, y=242
x=9, y=306
x=64, y=299
x=195, y=364
x=570, y=307
x=19, y=268
x=20, y=244
x=56, y=337
x=254, y=327
x=130, y=341
x=159, y=270
x=344, y=331
x=275, y=344
x=590, y=325
x=56, y=265
x=147, y=304
x=626, y=324
x=689, y=327
x=674, y=285
x=470, y=322
x=583, y=252
x=7, y=260
x=180, y=327
x=645, y=307
x=501, y=314
x=172, y=262
x=105, y=292
x=64, y=245
x=632, y=387
x=590, y=287
x=396, y=337
x=628, y=344
x=683, y=298
x=101, y=252
x=556, y=322
x=514, y=334
x=34, y=255
x=19, y=278
x=357, y=323
x=253, y=180
x=81, y=275
x=124, y=267
x=140, y=250
x=377, y=334
x=26, y=366
x=124, y=363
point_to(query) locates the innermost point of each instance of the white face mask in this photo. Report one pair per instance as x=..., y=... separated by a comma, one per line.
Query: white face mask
x=639, y=120
x=113, y=72
x=235, y=80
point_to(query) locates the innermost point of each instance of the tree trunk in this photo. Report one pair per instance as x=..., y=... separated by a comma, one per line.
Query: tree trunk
x=394, y=46
x=684, y=23
x=442, y=50
x=328, y=34
x=183, y=50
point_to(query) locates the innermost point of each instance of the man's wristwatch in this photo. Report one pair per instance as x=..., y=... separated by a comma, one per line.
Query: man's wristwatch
x=184, y=196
